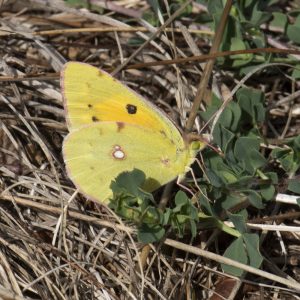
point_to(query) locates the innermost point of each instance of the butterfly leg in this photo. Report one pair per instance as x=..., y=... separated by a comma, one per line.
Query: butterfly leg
x=183, y=186
x=194, y=177
x=201, y=166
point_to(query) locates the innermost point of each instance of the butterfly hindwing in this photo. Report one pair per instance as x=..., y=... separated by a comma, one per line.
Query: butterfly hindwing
x=97, y=153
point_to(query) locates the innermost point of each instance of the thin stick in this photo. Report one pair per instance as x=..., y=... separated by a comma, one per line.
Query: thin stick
x=208, y=67
x=230, y=262
x=154, y=35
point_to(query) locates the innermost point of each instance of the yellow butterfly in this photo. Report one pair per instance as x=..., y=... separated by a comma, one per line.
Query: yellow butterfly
x=113, y=129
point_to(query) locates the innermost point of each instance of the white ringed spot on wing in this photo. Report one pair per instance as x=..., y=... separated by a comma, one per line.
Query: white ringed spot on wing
x=118, y=153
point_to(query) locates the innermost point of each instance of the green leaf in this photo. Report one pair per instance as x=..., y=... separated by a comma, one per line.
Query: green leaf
x=181, y=199
x=130, y=201
x=214, y=179
x=273, y=177
x=150, y=233
x=129, y=182
x=246, y=150
x=259, y=17
x=238, y=221
x=239, y=59
x=254, y=198
x=193, y=226
x=255, y=12
x=296, y=72
x=183, y=216
x=289, y=158
x=252, y=247
x=237, y=252
x=206, y=206
x=211, y=109
x=267, y=191
x=251, y=102
x=296, y=142
x=279, y=20
x=223, y=137
x=244, y=249
x=230, y=117
x=293, y=31
x=166, y=216
x=228, y=176
x=230, y=201
x=294, y=186
x=215, y=6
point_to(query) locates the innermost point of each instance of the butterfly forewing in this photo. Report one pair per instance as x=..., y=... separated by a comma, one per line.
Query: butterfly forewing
x=92, y=95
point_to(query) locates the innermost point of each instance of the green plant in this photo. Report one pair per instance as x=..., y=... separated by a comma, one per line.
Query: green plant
x=239, y=179
x=242, y=177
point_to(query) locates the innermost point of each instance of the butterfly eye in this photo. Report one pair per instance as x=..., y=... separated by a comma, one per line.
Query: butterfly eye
x=131, y=109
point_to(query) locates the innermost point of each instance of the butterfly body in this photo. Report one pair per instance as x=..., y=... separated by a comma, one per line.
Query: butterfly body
x=112, y=130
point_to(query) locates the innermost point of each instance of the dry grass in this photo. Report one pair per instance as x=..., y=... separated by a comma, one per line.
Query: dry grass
x=53, y=243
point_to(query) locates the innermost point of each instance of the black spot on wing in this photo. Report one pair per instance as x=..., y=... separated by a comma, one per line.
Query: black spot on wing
x=131, y=109
x=95, y=119
x=90, y=105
